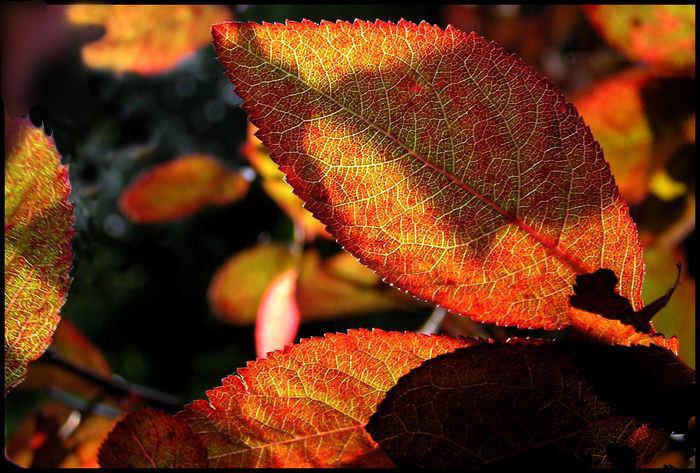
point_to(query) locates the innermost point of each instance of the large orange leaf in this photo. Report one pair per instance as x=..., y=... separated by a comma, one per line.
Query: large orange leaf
x=273, y=183
x=448, y=166
x=305, y=406
x=38, y=233
x=615, y=112
x=147, y=39
x=535, y=403
x=181, y=187
x=660, y=34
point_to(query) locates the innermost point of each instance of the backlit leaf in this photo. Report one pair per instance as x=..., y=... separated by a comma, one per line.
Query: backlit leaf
x=273, y=183
x=534, y=403
x=147, y=39
x=335, y=287
x=678, y=317
x=449, y=167
x=56, y=436
x=659, y=34
x=149, y=438
x=38, y=233
x=615, y=112
x=277, y=321
x=340, y=286
x=305, y=406
x=181, y=187
x=237, y=287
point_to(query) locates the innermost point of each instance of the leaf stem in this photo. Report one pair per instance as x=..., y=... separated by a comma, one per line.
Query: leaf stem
x=432, y=325
x=115, y=385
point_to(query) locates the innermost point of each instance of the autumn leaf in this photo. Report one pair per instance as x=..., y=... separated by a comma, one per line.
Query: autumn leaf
x=38, y=232
x=614, y=110
x=56, y=436
x=449, y=167
x=660, y=34
x=238, y=286
x=149, y=438
x=534, y=402
x=338, y=286
x=678, y=317
x=181, y=187
x=274, y=184
x=147, y=39
x=76, y=348
x=305, y=406
x=277, y=320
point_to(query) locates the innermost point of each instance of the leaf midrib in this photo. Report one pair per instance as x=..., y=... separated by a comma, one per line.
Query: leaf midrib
x=555, y=250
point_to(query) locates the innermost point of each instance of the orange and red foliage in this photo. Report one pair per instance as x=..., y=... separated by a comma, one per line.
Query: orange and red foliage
x=306, y=406
x=449, y=167
x=663, y=35
x=38, y=233
x=181, y=187
x=146, y=39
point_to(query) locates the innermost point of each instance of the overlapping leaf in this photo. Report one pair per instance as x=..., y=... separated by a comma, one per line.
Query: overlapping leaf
x=38, y=233
x=534, y=403
x=659, y=34
x=181, y=187
x=335, y=287
x=275, y=186
x=147, y=39
x=615, y=112
x=448, y=166
x=152, y=439
x=305, y=406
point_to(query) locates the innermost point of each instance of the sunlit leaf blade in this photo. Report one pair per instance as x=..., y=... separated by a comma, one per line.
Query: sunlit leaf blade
x=340, y=286
x=534, y=403
x=56, y=436
x=278, y=318
x=449, y=167
x=660, y=34
x=273, y=183
x=149, y=438
x=678, y=317
x=79, y=350
x=181, y=187
x=38, y=232
x=307, y=406
x=237, y=287
x=146, y=39
x=615, y=112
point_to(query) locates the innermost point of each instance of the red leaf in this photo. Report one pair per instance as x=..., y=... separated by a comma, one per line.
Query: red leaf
x=149, y=438
x=179, y=188
x=38, y=232
x=534, y=403
x=305, y=406
x=449, y=167
x=278, y=315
